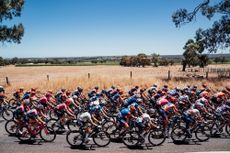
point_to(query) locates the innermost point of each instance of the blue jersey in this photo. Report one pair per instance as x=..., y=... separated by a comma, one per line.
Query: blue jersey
x=124, y=113
x=130, y=100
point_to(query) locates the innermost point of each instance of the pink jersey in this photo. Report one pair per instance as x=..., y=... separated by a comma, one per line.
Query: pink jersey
x=43, y=100
x=61, y=106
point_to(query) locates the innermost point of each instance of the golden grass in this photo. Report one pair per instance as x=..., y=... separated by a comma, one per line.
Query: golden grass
x=102, y=76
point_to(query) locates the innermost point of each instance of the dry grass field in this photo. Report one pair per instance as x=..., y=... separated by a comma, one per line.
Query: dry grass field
x=103, y=76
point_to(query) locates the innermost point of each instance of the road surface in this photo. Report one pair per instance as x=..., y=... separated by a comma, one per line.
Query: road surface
x=9, y=144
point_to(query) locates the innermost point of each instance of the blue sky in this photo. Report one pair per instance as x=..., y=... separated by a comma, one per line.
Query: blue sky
x=69, y=28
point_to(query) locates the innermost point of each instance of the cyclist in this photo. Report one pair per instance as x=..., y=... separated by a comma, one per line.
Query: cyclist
x=61, y=109
x=18, y=94
x=83, y=120
x=189, y=117
x=46, y=100
x=144, y=123
x=125, y=115
x=2, y=95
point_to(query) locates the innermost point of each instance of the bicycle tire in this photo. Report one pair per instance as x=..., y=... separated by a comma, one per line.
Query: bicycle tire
x=8, y=127
x=131, y=138
x=47, y=131
x=101, y=136
x=203, y=133
x=74, y=138
x=23, y=133
x=7, y=115
x=156, y=137
x=227, y=129
x=178, y=134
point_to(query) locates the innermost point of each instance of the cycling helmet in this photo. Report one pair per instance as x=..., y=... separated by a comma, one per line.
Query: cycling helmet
x=63, y=97
x=204, y=85
x=40, y=107
x=121, y=92
x=79, y=89
x=132, y=108
x=75, y=96
x=68, y=101
x=27, y=102
x=48, y=94
x=137, y=96
x=154, y=85
x=151, y=111
x=32, y=89
x=68, y=92
x=63, y=89
x=139, y=100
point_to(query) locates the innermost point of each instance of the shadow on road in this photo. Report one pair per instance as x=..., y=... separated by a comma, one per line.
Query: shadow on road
x=187, y=142
x=83, y=147
x=31, y=142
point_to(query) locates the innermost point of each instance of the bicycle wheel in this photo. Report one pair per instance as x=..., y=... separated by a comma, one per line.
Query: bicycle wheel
x=203, y=133
x=11, y=127
x=156, y=137
x=178, y=134
x=108, y=126
x=101, y=138
x=13, y=103
x=227, y=128
x=74, y=138
x=72, y=125
x=23, y=133
x=52, y=123
x=131, y=138
x=215, y=129
x=47, y=134
x=8, y=115
x=52, y=114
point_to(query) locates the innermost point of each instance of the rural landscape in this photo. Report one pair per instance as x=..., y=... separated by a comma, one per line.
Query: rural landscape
x=114, y=75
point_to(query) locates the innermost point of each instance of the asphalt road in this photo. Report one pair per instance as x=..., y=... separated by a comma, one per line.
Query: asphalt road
x=9, y=144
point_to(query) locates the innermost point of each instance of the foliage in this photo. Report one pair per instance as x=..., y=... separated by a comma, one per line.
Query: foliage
x=8, y=10
x=135, y=61
x=193, y=54
x=216, y=37
x=155, y=59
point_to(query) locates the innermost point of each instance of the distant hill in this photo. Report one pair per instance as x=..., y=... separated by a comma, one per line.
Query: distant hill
x=114, y=58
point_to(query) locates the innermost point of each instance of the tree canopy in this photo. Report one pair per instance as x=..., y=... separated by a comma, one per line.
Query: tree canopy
x=8, y=10
x=215, y=37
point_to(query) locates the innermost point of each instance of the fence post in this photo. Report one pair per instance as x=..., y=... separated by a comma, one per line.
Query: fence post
x=131, y=74
x=169, y=75
x=7, y=81
x=88, y=75
x=48, y=77
x=207, y=75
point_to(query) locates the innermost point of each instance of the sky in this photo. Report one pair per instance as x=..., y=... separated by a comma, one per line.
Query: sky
x=73, y=28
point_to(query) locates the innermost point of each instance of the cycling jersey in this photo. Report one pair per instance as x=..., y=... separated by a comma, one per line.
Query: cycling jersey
x=61, y=107
x=32, y=114
x=85, y=117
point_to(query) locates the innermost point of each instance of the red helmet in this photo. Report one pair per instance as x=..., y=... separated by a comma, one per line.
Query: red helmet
x=68, y=92
x=132, y=108
x=68, y=102
x=48, y=94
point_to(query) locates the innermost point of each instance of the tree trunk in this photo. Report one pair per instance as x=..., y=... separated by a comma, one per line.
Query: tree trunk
x=184, y=67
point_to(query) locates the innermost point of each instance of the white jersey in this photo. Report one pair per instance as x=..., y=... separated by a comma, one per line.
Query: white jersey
x=85, y=117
